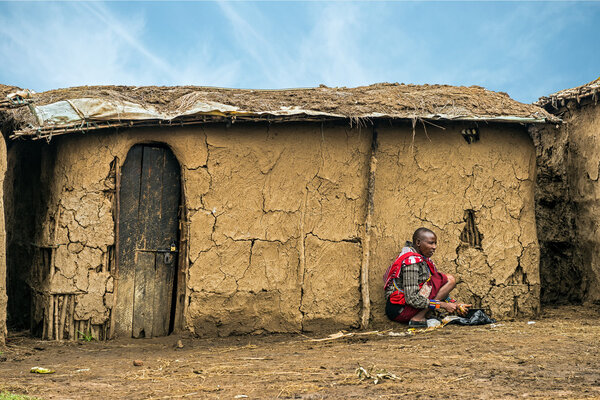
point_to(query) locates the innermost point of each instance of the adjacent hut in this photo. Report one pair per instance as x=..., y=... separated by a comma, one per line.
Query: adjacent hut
x=5, y=122
x=139, y=211
x=567, y=196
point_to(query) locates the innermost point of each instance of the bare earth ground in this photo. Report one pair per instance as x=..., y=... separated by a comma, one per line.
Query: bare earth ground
x=556, y=357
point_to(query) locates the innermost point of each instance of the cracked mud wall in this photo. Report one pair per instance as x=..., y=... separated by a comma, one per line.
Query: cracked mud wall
x=3, y=296
x=580, y=245
x=24, y=197
x=560, y=271
x=276, y=222
x=275, y=231
x=275, y=225
x=434, y=182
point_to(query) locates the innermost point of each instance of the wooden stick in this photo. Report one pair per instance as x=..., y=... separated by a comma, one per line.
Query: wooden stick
x=71, y=318
x=56, y=298
x=182, y=261
x=49, y=132
x=364, y=274
x=63, y=316
x=115, y=269
x=45, y=324
x=95, y=331
x=49, y=315
x=302, y=250
x=53, y=251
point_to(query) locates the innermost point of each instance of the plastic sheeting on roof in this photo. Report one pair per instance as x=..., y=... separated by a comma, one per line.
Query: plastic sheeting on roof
x=77, y=111
x=71, y=112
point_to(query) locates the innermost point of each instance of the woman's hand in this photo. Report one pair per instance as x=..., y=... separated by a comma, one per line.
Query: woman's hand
x=450, y=307
x=458, y=308
x=462, y=309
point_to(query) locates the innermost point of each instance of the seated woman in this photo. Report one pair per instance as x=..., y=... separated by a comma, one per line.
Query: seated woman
x=413, y=285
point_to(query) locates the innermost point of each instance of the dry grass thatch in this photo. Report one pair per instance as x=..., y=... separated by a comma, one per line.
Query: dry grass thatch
x=552, y=102
x=382, y=100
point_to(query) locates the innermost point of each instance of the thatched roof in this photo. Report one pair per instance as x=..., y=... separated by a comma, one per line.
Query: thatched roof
x=589, y=90
x=7, y=102
x=95, y=107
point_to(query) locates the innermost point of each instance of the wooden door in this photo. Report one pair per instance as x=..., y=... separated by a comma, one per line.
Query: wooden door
x=148, y=235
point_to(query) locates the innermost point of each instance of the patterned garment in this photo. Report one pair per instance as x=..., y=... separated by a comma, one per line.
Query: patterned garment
x=408, y=281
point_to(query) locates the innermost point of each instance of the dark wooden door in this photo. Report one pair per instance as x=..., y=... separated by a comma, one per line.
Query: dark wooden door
x=148, y=233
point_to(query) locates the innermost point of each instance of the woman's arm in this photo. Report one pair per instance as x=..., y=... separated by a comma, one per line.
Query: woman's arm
x=410, y=283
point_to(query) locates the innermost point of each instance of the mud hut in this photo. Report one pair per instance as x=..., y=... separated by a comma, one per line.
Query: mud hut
x=5, y=122
x=139, y=211
x=567, y=196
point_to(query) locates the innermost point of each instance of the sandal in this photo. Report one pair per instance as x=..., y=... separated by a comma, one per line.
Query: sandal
x=417, y=324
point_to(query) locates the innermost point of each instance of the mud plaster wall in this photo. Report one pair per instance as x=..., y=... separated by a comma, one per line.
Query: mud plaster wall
x=24, y=200
x=3, y=297
x=275, y=215
x=560, y=271
x=581, y=163
x=276, y=220
x=432, y=183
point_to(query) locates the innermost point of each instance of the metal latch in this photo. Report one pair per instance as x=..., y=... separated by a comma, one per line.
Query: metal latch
x=168, y=253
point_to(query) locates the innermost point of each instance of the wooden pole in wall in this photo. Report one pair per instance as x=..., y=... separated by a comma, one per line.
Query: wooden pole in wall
x=52, y=315
x=56, y=298
x=45, y=324
x=182, y=260
x=63, y=316
x=77, y=328
x=53, y=244
x=364, y=275
x=71, y=317
x=115, y=266
x=49, y=315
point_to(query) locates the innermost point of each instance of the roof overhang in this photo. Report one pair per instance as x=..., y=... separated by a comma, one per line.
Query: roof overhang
x=88, y=114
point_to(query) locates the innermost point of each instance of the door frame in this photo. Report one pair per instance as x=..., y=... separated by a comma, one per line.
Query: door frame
x=176, y=324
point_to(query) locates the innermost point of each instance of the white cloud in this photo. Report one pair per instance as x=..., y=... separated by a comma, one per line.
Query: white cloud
x=327, y=50
x=46, y=46
x=331, y=51
x=62, y=48
x=268, y=61
x=511, y=52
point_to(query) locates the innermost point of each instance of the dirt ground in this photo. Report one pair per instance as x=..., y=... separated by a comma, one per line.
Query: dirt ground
x=556, y=357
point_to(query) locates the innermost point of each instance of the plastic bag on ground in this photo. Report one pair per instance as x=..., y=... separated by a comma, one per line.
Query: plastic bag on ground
x=473, y=317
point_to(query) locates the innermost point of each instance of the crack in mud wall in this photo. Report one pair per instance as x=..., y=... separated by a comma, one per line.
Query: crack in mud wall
x=276, y=222
x=432, y=182
x=568, y=206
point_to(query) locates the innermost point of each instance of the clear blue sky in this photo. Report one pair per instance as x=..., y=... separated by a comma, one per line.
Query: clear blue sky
x=527, y=49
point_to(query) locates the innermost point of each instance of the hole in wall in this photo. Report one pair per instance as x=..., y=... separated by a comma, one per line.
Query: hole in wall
x=470, y=234
x=471, y=135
